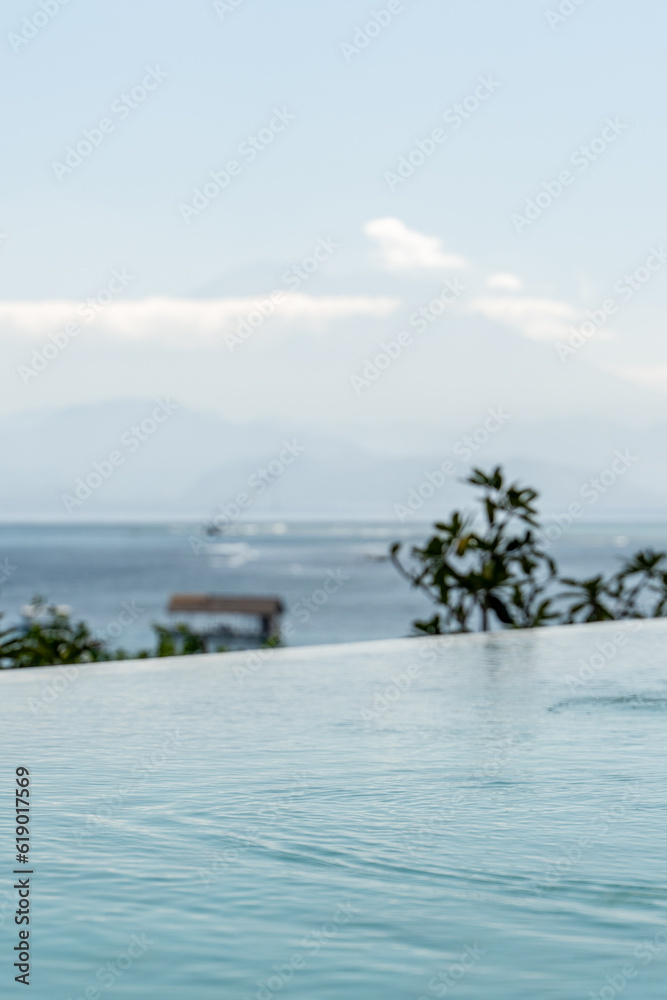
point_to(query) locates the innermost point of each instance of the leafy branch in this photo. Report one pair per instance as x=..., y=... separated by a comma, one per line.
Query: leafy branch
x=490, y=569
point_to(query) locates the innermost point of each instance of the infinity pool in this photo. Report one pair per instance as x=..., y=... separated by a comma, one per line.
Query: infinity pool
x=473, y=817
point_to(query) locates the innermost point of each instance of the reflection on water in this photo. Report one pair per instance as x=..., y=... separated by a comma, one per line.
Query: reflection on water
x=398, y=820
x=645, y=700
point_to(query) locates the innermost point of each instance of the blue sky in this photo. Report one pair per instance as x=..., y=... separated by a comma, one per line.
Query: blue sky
x=223, y=76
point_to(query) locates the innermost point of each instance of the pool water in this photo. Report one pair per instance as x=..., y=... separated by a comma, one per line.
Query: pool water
x=478, y=817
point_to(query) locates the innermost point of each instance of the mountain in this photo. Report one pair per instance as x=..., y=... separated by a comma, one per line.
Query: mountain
x=192, y=462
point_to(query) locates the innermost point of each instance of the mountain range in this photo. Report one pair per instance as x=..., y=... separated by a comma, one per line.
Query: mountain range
x=194, y=464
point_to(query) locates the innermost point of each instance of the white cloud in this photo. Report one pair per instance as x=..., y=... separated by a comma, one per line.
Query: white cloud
x=36, y=318
x=536, y=319
x=404, y=249
x=504, y=282
x=188, y=322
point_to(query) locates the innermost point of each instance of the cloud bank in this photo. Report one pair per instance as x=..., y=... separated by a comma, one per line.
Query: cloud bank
x=189, y=322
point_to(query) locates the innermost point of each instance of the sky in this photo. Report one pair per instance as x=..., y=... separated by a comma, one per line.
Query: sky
x=470, y=194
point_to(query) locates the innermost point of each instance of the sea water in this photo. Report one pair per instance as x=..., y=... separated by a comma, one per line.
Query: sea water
x=101, y=570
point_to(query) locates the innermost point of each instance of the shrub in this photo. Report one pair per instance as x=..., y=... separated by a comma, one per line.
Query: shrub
x=492, y=570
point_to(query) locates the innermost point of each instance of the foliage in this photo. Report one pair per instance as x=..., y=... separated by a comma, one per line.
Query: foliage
x=179, y=641
x=499, y=572
x=637, y=590
x=55, y=639
x=273, y=642
x=492, y=570
x=52, y=639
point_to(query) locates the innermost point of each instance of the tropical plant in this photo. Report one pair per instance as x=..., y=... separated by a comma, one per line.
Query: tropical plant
x=637, y=590
x=490, y=569
x=50, y=638
x=179, y=641
x=484, y=573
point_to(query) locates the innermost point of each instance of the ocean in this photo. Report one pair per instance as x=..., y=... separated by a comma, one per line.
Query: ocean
x=100, y=570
